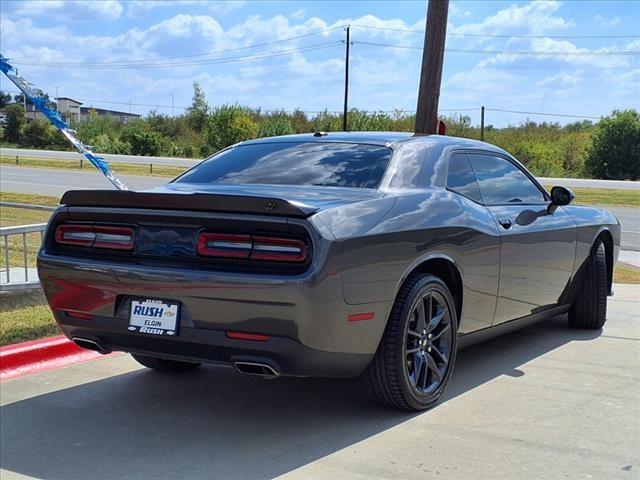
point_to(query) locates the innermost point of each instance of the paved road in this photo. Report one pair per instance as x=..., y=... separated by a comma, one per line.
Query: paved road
x=58, y=155
x=546, y=402
x=52, y=181
x=47, y=181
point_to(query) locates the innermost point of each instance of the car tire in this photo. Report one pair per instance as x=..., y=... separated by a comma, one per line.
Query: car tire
x=590, y=307
x=399, y=377
x=163, y=365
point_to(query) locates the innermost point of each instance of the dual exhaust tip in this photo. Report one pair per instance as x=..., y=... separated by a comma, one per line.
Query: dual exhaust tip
x=248, y=368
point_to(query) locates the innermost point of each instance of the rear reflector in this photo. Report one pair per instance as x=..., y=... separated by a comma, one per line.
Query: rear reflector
x=256, y=337
x=357, y=317
x=96, y=236
x=248, y=247
x=84, y=316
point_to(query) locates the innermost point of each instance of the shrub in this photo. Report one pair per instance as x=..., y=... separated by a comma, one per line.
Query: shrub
x=614, y=152
x=227, y=125
x=275, y=125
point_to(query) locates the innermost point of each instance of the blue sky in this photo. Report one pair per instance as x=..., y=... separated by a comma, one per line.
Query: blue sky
x=88, y=50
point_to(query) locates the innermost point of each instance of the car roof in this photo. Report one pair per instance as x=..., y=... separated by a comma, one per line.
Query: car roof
x=379, y=138
x=374, y=138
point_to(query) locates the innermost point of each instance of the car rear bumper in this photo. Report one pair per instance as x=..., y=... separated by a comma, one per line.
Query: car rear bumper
x=284, y=355
x=304, y=316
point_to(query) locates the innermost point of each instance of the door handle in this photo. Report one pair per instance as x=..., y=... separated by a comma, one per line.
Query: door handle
x=505, y=222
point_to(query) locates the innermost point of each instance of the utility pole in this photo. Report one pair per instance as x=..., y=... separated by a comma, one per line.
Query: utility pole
x=346, y=82
x=57, y=99
x=431, y=72
x=173, y=109
x=482, y=123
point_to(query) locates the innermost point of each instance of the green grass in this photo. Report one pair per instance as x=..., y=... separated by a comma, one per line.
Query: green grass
x=119, y=168
x=10, y=217
x=25, y=317
x=606, y=196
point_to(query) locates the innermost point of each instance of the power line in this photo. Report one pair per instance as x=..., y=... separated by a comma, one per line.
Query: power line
x=541, y=113
x=242, y=58
x=503, y=52
x=484, y=35
x=163, y=59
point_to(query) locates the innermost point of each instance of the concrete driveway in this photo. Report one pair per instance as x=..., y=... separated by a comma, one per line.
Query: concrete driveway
x=544, y=402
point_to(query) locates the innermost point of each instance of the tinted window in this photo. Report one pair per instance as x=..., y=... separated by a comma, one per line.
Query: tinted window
x=461, y=179
x=300, y=163
x=500, y=181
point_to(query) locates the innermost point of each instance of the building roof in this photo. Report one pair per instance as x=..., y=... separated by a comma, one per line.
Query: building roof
x=102, y=111
x=67, y=98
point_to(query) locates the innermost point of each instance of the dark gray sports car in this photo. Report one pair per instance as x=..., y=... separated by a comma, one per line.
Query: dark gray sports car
x=340, y=254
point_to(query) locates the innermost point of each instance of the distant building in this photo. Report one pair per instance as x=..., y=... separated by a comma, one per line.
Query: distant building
x=72, y=112
x=124, y=117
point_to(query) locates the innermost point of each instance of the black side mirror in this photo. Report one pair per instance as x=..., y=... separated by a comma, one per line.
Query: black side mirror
x=560, y=196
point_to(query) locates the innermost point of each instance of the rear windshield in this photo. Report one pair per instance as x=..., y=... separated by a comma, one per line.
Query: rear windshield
x=300, y=163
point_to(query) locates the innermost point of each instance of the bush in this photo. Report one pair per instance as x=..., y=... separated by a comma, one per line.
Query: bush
x=15, y=123
x=274, y=126
x=614, y=152
x=227, y=125
x=37, y=133
x=142, y=141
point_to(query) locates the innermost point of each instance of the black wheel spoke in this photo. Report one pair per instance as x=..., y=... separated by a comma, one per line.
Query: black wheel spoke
x=442, y=356
x=421, y=318
x=411, y=351
x=438, y=335
x=436, y=319
x=414, y=333
x=418, y=366
x=431, y=365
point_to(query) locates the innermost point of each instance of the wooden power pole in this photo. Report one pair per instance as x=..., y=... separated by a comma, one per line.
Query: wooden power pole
x=431, y=72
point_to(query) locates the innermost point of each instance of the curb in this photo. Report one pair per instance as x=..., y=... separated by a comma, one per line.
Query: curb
x=42, y=354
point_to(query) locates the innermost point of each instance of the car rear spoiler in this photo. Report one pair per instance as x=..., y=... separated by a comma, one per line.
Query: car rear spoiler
x=204, y=202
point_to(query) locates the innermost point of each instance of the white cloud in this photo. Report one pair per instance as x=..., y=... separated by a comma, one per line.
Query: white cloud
x=63, y=10
x=533, y=18
x=612, y=22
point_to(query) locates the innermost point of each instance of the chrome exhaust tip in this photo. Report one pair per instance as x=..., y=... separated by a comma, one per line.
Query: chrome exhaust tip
x=255, y=368
x=89, y=345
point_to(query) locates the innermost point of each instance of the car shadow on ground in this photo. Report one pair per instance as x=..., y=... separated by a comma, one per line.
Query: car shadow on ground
x=214, y=423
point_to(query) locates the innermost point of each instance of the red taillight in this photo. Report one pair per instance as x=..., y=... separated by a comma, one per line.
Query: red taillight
x=249, y=247
x=224, y=245
x=97, y=236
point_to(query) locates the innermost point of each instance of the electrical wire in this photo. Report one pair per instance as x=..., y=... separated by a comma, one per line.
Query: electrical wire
x=242, y=58
x=484, y=35
x=499, y=52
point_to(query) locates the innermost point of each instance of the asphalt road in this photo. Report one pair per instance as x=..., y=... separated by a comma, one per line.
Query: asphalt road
x=546, y=402
x=61, y=155
x=53, y=181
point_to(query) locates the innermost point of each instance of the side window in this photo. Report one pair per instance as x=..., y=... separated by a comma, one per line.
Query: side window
x=461, y=179
x=500, y=181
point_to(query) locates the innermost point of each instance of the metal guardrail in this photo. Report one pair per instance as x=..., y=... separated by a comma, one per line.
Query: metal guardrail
x=5, y=233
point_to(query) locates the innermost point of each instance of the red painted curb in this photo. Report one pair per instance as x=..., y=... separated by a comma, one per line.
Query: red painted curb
x=43, y=354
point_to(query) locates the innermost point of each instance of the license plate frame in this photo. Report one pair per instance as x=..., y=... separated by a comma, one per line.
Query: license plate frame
x=150, y=316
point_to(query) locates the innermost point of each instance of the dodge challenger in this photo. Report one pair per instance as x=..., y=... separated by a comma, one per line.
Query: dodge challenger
x=372, y=255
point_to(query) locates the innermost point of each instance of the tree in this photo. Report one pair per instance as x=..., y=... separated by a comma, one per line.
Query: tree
x=37, y=134
x=198, y=110
x=14, y=123
x=227, y=125
x=5, y=99
x=614, y=152
x=275, y=125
